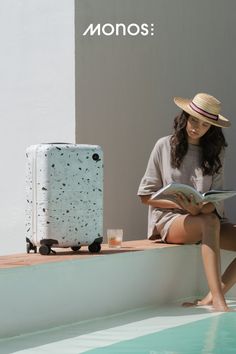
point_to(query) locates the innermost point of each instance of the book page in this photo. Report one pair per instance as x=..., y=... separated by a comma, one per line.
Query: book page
x=169, y=191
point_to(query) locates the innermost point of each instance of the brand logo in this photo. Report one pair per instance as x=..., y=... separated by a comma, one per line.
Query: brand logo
x=119, y=29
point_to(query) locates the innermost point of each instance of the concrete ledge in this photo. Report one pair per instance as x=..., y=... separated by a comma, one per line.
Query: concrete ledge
x=45, y=295
x=63, y=254
x=40, y=296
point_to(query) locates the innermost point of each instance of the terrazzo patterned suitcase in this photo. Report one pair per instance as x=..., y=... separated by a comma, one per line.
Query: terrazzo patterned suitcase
x=64, y=185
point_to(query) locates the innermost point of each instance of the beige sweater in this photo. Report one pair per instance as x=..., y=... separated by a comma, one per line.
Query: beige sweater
x=159, y=173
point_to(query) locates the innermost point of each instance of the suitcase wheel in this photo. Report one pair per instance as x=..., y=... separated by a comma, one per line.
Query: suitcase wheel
x=75, y=248
x=44, y=250
x=95, y=247
x=30, y=246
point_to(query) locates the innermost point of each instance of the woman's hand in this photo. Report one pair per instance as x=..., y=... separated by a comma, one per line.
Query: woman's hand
x=188, y=204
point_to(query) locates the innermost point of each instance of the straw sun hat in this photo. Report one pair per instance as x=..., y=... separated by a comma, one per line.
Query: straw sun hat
x=203, y=107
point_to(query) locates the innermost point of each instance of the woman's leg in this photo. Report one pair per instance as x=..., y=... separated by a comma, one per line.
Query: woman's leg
x=206, y=227
x=228, y=237
x=229, y=276
x=228, y=280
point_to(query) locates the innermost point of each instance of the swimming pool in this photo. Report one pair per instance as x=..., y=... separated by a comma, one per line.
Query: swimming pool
x=167, y=330
x=212, y=335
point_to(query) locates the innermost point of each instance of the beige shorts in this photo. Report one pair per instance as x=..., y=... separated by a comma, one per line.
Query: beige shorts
x=163, y=226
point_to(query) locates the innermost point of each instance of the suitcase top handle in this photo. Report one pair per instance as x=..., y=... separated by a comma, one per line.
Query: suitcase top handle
x=56, y=143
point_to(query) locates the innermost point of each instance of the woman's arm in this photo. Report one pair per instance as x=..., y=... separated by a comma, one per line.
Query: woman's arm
x=182, y=202
x=185, y=204
x=160, y=203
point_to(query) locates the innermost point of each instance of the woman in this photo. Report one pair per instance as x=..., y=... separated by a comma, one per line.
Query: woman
x=193, y=155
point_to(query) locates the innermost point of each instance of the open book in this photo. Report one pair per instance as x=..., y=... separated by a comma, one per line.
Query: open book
x=169, y=191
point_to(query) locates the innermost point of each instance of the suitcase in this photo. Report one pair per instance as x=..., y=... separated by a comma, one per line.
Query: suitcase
x=64, y=188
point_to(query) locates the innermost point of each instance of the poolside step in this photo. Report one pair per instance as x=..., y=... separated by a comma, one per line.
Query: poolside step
x=41, y=292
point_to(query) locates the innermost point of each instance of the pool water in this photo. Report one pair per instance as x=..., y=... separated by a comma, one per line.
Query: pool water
x=152, y=330
x=213, y=335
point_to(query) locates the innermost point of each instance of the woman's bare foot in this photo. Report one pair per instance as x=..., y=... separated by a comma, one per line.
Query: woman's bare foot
x=207, y=300
x=191, y=304
x=220, y=305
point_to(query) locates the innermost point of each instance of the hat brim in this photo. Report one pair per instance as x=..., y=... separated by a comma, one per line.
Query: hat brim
x=183, y=103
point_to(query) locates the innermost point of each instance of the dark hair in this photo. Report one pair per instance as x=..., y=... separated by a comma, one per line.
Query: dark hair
x=212, y=144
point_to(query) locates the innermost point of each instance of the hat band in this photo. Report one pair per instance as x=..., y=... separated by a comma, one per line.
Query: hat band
x=202, y=112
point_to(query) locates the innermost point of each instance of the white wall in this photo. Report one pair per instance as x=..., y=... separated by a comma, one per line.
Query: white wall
x=37, y=96
x=125, y=86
